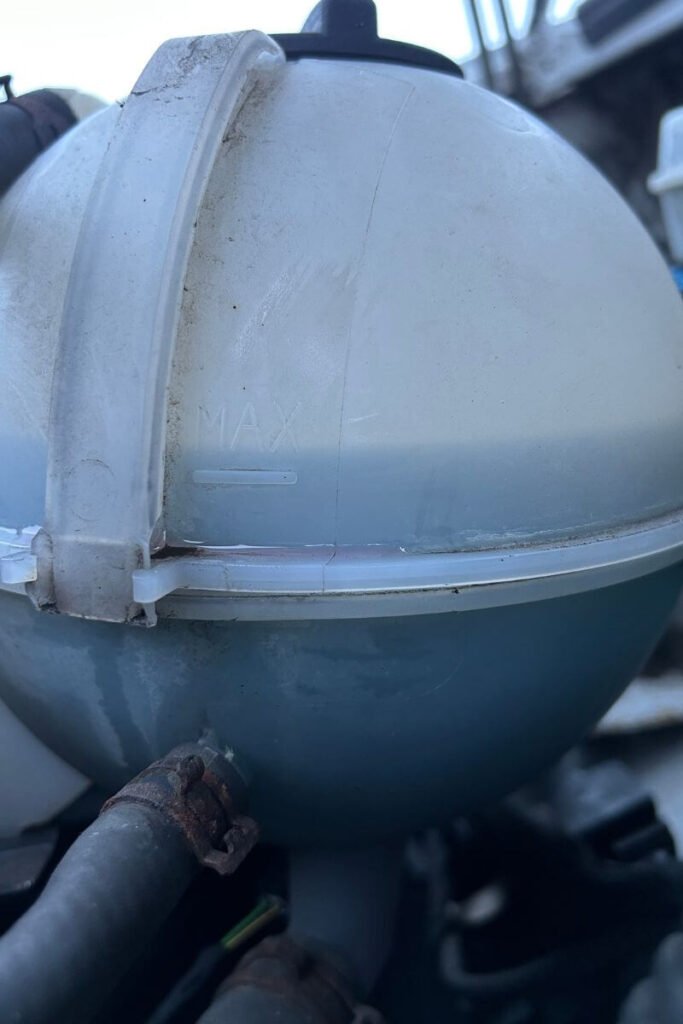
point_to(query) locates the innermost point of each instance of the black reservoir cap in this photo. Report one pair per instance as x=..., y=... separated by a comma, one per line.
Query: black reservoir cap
x=347, y=30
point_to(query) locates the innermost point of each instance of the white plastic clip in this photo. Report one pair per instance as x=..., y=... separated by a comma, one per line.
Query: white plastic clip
x=18, y=564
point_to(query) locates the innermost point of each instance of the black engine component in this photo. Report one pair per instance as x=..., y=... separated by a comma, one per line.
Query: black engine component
x=28, y=125
x=562, y=896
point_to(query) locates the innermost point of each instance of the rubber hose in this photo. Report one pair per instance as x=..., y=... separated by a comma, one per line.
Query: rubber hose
x=256, y=1006
x=280, y=982
x=103, y=903
x=342, y=915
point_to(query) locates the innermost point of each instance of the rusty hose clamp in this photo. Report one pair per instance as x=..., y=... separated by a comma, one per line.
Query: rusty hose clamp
x=301, y=979
x=198, y=791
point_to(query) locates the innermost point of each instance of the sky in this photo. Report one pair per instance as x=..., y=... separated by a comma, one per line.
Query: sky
x=101, y=46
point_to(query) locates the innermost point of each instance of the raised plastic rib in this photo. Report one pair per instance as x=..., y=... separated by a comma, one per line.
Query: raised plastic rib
x=402, y=582
x=121, y=312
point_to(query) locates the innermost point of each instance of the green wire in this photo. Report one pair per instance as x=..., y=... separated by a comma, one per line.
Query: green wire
x=270, y=908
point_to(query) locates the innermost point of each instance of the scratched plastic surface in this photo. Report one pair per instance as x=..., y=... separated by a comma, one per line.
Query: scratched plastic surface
x=381, y=338
x=407, y=324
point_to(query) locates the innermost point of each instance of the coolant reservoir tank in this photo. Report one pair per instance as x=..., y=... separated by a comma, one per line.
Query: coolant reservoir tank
x=361, y=389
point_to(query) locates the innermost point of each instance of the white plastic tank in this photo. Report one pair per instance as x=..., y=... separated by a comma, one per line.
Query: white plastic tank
x=366, y=391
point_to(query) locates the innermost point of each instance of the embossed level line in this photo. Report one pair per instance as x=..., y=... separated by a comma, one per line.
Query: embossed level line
x=244, y=477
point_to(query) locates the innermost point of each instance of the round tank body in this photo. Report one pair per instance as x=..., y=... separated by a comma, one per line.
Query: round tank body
x=352, y=729
x=341, y=420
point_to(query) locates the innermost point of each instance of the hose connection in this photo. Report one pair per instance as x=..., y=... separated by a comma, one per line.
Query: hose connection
x=300, y=981
x=201, y=793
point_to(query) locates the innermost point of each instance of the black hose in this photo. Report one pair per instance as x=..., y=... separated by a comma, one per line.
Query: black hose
x=253, y=1006
x=117, y=884
x=257, y=1006
x=28, y=125
x=110, y=893
x=281, y=981
x=342, y=916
